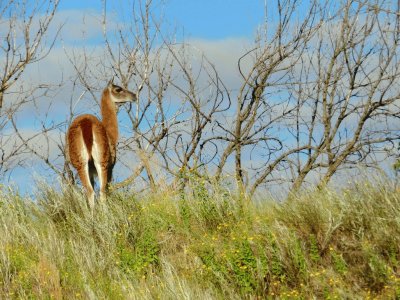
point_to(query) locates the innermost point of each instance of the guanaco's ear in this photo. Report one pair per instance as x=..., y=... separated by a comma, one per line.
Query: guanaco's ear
x=110, y=83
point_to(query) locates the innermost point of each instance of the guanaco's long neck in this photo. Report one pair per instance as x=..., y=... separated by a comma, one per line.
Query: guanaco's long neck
x=109, y=117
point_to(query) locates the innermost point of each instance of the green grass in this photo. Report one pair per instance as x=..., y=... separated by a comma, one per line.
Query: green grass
x=204, y=244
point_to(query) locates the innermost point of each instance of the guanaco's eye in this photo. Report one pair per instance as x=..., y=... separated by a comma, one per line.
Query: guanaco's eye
x=117, y=89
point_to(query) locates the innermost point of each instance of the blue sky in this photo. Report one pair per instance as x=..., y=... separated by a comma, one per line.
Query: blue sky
x=206, y=19
x=216, y=19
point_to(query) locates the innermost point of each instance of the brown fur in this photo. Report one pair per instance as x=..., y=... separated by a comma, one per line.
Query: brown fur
x=86, y=127
x=91, y=143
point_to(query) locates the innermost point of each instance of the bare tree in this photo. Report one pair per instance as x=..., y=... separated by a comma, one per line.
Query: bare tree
x=23, y=44
x=261, y=107
x=25, y=40
x=351, y=90
x=318, y=94
x=140, y=54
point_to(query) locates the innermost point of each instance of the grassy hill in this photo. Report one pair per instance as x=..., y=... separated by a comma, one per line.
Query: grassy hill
x=204, y=244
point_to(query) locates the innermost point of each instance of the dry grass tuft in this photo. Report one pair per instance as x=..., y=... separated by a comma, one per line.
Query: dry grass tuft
x=204, y=244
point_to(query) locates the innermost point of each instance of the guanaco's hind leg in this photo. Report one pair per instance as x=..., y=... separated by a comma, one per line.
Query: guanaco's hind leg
x=79, y=157
x=85, y=179
x=100, y=154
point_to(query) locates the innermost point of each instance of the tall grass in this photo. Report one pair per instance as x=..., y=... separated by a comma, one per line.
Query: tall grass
x=204, y=244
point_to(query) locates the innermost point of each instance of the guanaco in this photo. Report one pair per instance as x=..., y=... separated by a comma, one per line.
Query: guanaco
x=91, y=144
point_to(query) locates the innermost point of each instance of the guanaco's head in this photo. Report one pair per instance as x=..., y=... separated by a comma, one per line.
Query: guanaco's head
x=119, y=95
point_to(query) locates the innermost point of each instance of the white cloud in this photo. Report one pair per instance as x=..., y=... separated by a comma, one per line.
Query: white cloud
x=224, y=54
x=80, y=26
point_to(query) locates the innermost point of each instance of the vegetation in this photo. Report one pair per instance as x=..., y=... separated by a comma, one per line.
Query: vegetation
x=204, y=243
x=316, y=93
